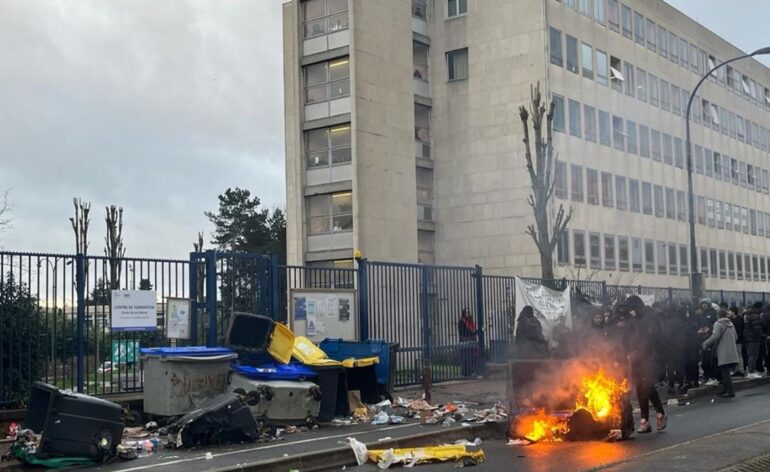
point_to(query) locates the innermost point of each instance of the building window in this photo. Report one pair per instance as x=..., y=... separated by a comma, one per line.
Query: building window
x=628, y=70
x=592, y=185
x=673, y=47
x=558, y=113
x=722, y=265
x=631, y=141
x=601, y=67
x=747, y=266
x=651, y=34
x=661, y=257
x=701, y=211
x=616, y=77
x=607, y=190
x=587, y=56
x=730, y=265
x=665, y=95
x=618, y=133
x=600, y=15
x=577, y=183
x=683, y=258
x=330, y=213
x=655, y=144
x=623, y=255
x=327, y=81
x=420, y=9
x=455, y=8
x=672, y=265
x=579, y=239
x=728, y=217
x=424, y=191
x=683, y=53
x=604, y=128
x=755, y=267
x=327, y=147
x=703, y=260
x=644, y=141
x=562, y=248
x=557, y=56
x=639, y=28
x=710, y=216
x=589, y=122
x=572, y=55
x=457, y=64
x=322, y=17
x=649, y=256
x=718, y=214
x=762, y=269
x=658, y=194
x=681, y=206
x=633, y=195
x=560, y=180
x=613, y=15
x=636, y=254
x=641, y=78
x=737, y=218
x=621, y=199
x=697, y=156
x=662, y=41
x=574, y=117
x=670, y=204
x=646, y=198
x=739, y=265
x=653, y=84
x=585, y=7
x=609, y=252
x=713, y=263
x=753, y=222
x=668, y=149
x=595, y=247
x=678, y=153
x=626, y=18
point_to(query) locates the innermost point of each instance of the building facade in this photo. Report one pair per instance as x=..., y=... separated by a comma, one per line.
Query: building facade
x=403, y=138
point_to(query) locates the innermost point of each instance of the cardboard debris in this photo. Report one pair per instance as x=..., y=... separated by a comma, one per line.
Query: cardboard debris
x=422, y=455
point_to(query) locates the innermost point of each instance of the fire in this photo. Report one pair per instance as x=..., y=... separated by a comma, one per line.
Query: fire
x=598, y=394
x=541, y=427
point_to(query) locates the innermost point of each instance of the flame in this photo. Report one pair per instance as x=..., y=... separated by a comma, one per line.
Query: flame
x=599, y=395
x=541, y=427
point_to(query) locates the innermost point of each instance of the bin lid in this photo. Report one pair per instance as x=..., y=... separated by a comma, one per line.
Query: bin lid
x=185, y=351
x=281, y=343
x=275, y=371
x=309, y=354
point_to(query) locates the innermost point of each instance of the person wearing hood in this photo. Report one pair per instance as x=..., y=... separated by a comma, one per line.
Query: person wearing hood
x=708, y=361
x=530, y=342
x=737, y=318
x=645, y=346
x=753, y=335
x=674, y=340
x=724, y=339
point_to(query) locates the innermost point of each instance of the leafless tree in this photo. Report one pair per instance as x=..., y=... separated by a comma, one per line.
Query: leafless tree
x=5, y=210
x=541, y=175
x=80, y=224
x=114, y=249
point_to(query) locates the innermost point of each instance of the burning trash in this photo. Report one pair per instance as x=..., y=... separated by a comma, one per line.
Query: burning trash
x=601, y=411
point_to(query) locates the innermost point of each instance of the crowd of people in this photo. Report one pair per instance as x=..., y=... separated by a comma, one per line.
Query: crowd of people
x=668, y=346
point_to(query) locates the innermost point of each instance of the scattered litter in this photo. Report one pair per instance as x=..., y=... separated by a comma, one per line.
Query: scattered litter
x=465, y=424
x=209, y=456
x=381, y=418
x=395, y=419
x=615, y=435
x=518, y=442
x=151, y=426
x=359, y=450
x=386, y=438
x=712, y=400
x=449, y=421
x=464, y=442
x=672, y=402
x=410, y=457
x=341, y=422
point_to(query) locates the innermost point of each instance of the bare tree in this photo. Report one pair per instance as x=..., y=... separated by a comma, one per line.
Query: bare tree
x=114, y=249
x=5, y=210
x=80, y=225
x=541, y=175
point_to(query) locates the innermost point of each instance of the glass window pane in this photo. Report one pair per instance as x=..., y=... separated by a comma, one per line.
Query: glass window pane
x=315, y=28
x=314, y=9
x=556, y=47
x=587, y=60
x=339, y=70
x=318, y=205
x=315, y=74
x=339, y=89
x=341, y=155
x=319, y=158
x=340, y=136
x=317, y=94
x=317, y=139
x=338, y=22
x=342, y=203
x=319, y=225
x=336, y=6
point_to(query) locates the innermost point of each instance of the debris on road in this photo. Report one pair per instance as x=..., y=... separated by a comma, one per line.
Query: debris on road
x=463, y=452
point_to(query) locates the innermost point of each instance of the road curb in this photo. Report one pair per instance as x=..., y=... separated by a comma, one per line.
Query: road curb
x=705, y=392
x=343, y=456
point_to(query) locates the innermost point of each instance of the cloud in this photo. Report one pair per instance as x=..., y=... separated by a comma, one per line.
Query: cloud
x=155, y=106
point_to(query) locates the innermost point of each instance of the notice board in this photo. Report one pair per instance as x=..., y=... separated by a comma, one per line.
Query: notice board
x=324, y=313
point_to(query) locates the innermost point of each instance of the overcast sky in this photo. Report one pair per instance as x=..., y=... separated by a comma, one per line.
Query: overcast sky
x=159, y=106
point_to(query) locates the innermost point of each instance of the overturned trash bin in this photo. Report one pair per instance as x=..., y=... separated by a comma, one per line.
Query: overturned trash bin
x=73, y=425
x=178, y=380
x=221, y=420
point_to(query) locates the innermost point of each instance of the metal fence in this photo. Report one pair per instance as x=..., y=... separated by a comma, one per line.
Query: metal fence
x=55, y=311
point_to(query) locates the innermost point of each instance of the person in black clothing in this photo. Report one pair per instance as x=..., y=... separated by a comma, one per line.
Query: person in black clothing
x=738, y=323
x=753, y=335
x=530, y=342
x=708, y=355
x=466, y=328
x=766, y=330
x=644, y=347
x=693, y=323
x=674, y=340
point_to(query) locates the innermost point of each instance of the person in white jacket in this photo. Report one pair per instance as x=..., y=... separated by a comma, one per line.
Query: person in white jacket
x=724, y=337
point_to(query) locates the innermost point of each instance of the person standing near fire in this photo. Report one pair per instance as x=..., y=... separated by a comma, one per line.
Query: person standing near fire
x=645, y=346
x=467, y=331
x=724, y=338
x=530, y=342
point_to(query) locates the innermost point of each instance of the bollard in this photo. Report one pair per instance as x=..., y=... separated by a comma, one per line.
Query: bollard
x=426, y=381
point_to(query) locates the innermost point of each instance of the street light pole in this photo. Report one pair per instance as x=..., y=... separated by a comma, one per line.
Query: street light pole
x=696, y=278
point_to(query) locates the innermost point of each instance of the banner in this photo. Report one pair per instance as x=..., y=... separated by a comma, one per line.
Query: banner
x=547, y=304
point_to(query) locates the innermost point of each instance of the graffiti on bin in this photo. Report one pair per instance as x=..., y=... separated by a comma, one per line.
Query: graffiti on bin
x=210, y=384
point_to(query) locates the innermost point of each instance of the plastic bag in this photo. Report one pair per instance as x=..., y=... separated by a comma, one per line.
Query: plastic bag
x=359, y=450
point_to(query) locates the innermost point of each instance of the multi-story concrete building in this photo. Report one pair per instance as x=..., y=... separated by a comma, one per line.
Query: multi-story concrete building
x=403, y=138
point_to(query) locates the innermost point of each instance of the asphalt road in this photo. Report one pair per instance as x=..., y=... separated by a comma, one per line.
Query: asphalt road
x=688, y=426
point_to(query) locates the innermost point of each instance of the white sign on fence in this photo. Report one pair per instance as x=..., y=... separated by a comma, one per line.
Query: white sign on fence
x=134, y=310
x=178, y=318
x=547, y=304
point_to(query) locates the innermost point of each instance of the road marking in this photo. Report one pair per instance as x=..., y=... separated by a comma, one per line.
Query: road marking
x=262, y=448
x=674, y=446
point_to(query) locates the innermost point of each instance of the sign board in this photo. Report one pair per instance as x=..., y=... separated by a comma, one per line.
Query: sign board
x=548, y=305
x=134, y=310
x=124, y=351
x=178, y=318
x=319, y=314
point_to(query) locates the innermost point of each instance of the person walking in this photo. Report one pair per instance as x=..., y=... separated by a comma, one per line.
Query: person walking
x=724, y=338
x=467, y=331
x=753, y=335
x=693, y=340
x=644, y=348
